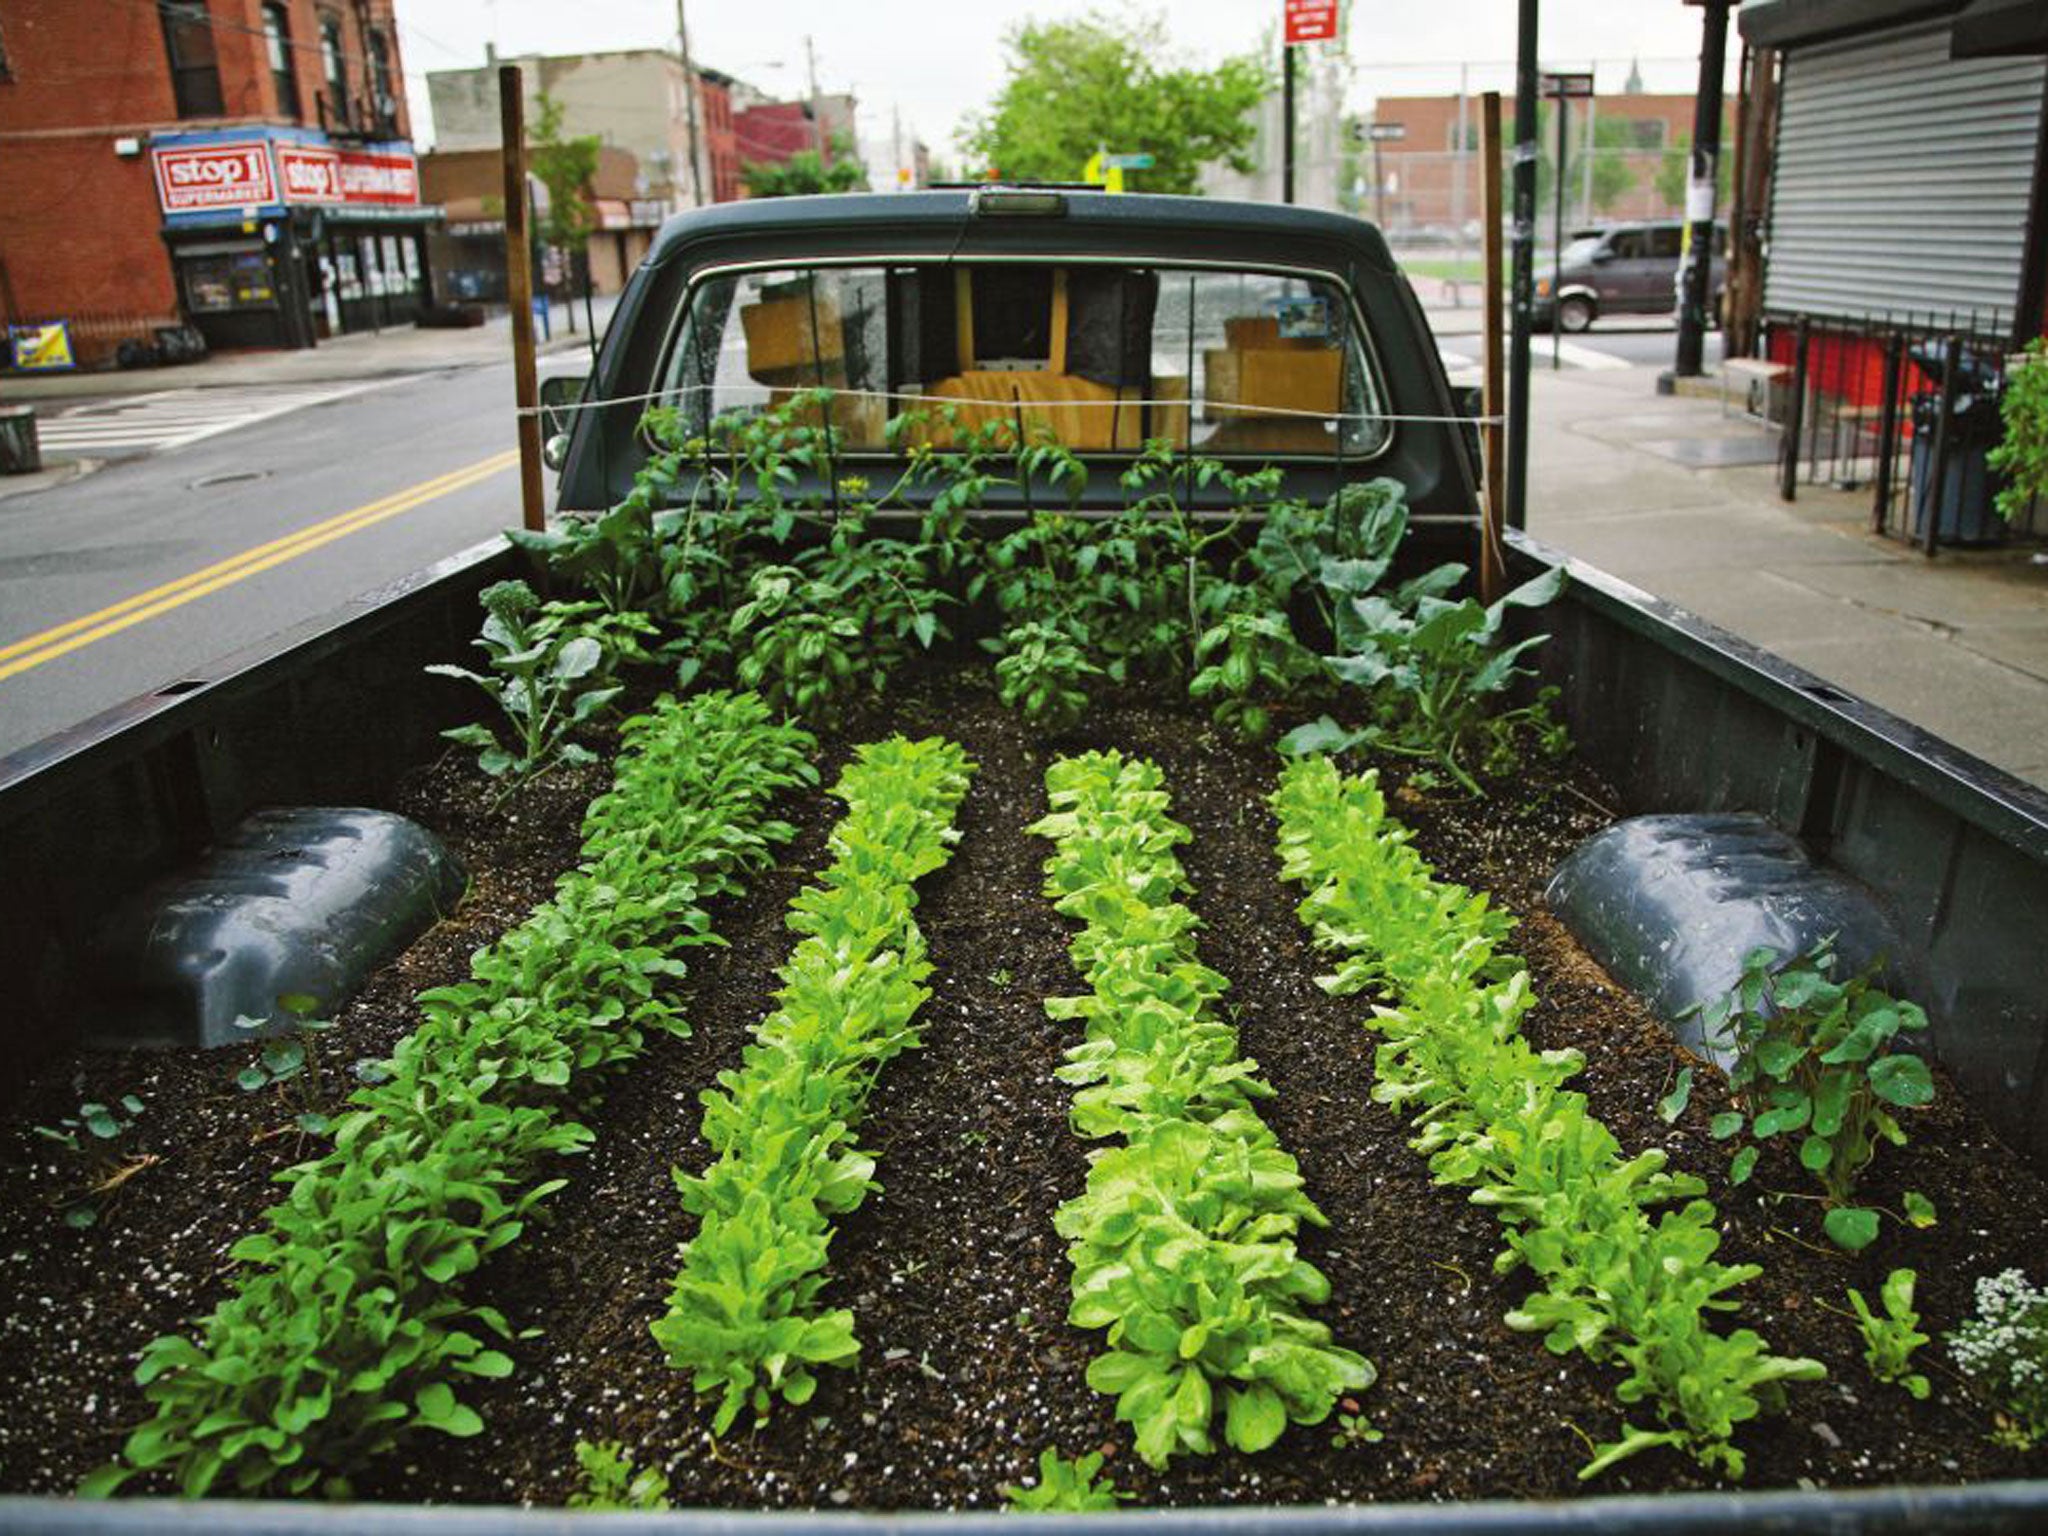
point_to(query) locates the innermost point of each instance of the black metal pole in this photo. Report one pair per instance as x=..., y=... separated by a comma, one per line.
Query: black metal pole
x=1524, y=261
x=1564, y=114
x=1887, y=431
x=1795, y=413
x=1286, y=123
x=1695, y=278
x=1935, y=502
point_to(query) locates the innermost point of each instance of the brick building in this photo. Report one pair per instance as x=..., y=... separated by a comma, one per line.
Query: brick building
x=243, y=164
x=1431, y=176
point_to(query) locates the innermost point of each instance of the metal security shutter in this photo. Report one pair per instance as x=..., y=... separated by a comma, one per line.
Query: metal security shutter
x=1902, y=179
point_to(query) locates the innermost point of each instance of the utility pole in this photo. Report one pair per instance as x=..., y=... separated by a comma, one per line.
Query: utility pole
x=690, y=95
x=1458, y=163
x=1524, y=261
x=1287, y=123
x=1696, y=273
x=817, y=107
x=1586, y=180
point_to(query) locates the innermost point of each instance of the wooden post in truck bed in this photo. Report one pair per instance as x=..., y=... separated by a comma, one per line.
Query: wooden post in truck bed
x=1493, y=397
x=519, y=293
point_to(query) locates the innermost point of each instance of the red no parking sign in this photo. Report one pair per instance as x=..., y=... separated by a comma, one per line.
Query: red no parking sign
x=1311, y=21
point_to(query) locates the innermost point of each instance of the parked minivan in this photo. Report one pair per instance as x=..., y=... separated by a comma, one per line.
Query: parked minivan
x=1620, y=269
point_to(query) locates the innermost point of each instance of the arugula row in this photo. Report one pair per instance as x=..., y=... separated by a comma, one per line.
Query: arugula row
x=1494, y=1114
x=347, y=1330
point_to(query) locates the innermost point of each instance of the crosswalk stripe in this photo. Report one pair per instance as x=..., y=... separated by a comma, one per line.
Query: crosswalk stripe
x=172, y=418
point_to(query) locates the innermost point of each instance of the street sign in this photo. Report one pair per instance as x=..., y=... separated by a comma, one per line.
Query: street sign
x=1104, y=172
x=1386, y=133
x=1311, y=21
x=1576, y=86
x=1128, y=162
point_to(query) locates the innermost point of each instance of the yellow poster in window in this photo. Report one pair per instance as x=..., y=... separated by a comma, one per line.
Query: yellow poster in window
x=42, y=348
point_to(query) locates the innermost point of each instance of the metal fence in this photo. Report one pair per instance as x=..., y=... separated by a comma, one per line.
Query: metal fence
x=1903, y=405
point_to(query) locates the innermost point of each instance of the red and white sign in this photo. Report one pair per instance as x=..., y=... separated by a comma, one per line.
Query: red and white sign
x=1311, y=21
x=234, y=175
x=313, y=173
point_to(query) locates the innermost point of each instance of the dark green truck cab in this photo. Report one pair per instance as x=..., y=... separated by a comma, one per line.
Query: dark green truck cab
x=1230, y=330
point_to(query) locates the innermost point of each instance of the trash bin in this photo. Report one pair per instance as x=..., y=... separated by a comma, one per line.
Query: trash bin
x=1962, y=504
x=20, y=453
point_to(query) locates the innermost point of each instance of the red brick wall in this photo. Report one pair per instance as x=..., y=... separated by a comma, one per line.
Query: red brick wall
x=80, y=231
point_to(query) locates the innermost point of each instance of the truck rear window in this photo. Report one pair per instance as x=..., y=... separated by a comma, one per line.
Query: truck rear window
x=1107, y=357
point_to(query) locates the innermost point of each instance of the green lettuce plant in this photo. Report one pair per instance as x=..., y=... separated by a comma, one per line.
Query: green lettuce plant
x=1064, y=1487
x=745, y=1314
x=1889, y=1341
x=611, y=1481
x=1182, y=1241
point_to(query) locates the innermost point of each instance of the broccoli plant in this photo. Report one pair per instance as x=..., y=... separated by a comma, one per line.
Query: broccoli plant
x=545, y=686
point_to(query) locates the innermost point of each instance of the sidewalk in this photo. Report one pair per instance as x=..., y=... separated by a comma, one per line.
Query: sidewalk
x=362, y=355
x=1641, y=486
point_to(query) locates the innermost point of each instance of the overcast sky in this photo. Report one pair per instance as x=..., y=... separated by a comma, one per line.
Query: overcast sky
x=937, y=60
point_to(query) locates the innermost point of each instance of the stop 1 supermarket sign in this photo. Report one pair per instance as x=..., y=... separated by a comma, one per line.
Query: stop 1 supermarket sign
x=196, y=177
x=1311, y=21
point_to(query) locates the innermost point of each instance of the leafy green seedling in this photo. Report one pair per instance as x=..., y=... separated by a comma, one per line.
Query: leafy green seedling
x=611, y=1481
x=1889, y=1341
x=1817, y=1058
x=1354, y=1430
x=1043, y=675
x=93, y=1136
x=289, y=1059
x=1063, y=1486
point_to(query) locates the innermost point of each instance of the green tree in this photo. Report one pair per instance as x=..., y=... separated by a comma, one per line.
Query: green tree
x=565, y=166
x=806, y=172
x=1674, y=168
x=1612, y=136
x=1104, y=83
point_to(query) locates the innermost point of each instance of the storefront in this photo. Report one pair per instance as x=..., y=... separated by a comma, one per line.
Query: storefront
x=282, y=238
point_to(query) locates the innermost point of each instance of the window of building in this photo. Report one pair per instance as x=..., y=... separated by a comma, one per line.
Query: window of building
x=1647, y=133
x=334, y=71
x=384, y=103
x=277, y=43
x=5, y=72
x=188, y=43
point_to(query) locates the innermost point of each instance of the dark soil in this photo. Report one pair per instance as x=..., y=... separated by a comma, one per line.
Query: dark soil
x=955, y=1276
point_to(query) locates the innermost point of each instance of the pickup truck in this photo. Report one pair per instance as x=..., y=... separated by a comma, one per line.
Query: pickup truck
x=1247, y=335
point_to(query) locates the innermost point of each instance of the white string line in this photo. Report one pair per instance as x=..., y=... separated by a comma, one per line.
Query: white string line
x=985, y=402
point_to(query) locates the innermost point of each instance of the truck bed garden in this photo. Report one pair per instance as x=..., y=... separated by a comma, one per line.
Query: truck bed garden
x=957, y=1282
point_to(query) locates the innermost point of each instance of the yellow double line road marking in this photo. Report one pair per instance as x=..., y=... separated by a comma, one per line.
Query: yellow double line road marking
x=67, y=637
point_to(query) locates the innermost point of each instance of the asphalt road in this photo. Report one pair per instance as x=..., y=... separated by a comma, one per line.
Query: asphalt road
x=136, y=577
